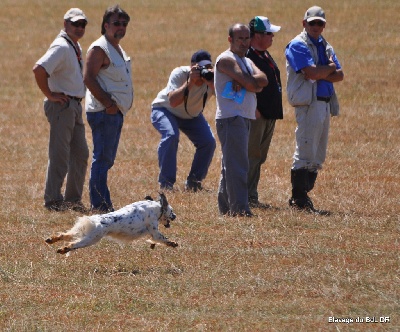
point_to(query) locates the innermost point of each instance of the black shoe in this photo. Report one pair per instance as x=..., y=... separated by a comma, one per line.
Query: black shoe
x=167, y=187
x=247, y=214
x=306, y=205
x=77, y=207
x=255, y=203
x=56, y=206
x=101, y=210
x=191, y=185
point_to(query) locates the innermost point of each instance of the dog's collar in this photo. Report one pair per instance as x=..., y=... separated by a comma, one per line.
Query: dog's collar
x=162, y=212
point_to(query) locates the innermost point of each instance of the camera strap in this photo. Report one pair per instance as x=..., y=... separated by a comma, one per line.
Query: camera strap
x=78, y=55
x=186, y=96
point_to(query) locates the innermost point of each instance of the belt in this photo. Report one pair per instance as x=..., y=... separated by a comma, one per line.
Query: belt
x=75, y=98
x=325, y=99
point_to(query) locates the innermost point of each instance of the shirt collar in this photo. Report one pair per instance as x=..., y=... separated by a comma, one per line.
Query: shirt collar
x=315, y=41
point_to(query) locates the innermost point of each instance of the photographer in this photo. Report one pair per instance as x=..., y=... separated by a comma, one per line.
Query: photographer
x=179, y=106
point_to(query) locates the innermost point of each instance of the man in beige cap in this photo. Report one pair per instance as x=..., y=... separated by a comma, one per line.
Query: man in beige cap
x=58, y=74
x=312, y=68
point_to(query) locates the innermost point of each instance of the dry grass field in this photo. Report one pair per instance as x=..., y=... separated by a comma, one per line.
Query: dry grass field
x=279, y=271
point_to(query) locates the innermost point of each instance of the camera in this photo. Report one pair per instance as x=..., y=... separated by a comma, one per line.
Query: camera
x=205, y=73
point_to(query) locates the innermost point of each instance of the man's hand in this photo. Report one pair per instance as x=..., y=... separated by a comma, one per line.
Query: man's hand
x=58, y=97
x=236, y=86
x=41, y=77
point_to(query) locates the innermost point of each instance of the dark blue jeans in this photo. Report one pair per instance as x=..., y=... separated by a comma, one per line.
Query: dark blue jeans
x=106, y=132
x=199, y=133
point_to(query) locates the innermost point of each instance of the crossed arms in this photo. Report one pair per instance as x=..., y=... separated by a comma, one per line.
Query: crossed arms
x=252, y=83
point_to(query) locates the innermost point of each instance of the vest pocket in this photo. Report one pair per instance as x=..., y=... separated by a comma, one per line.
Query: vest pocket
x=302, y=94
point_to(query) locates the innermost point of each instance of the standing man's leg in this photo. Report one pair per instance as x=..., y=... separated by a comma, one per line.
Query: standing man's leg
x=78, y=160
x=303, y=156
x=261, y=131
x=234, y=134
x=311, y=143
x=62, y=120
x=322, y=146
x=106, y=132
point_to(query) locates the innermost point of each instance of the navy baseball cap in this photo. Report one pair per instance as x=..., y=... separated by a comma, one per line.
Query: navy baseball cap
x=202, y=58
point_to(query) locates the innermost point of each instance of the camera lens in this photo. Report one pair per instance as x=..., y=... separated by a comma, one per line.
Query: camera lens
x=208, y=75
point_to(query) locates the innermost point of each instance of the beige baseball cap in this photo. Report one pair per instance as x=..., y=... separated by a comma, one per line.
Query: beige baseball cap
x=75, y=14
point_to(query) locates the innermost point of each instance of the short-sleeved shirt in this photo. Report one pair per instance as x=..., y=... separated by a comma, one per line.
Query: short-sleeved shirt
x=62, y=65
x=299, y=57
x=195, y=101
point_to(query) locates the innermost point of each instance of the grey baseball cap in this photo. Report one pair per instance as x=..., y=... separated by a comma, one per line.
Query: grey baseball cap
x=314, y=13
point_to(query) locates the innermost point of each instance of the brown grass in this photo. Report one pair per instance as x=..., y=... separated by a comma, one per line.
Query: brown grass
x=279, y=271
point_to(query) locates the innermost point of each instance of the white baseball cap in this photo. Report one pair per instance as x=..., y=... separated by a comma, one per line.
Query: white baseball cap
x=262, y=24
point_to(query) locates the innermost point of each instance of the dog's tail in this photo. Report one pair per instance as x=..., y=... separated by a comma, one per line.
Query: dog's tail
x=82, y=227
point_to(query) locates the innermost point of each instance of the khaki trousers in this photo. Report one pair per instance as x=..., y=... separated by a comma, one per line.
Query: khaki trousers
x=261, y=131
x=68, y=151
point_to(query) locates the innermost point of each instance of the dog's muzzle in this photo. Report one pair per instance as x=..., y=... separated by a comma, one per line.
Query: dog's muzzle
x=171, y=217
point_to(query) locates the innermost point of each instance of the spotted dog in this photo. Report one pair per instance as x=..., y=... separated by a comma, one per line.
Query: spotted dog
x=134, y=221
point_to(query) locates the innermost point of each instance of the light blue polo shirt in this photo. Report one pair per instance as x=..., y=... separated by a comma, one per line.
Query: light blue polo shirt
x=299, y=57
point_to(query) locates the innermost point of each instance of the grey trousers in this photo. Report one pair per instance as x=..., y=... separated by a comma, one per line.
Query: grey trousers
x=233, y=134
x=68, y=151
x=311, y=135
x=261, y=131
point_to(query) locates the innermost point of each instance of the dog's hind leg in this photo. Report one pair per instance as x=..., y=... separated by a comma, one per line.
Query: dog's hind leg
x=86, y=241
x=63, y=250
x=59, y=237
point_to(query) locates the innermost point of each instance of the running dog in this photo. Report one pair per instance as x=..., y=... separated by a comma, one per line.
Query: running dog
x=134, y=221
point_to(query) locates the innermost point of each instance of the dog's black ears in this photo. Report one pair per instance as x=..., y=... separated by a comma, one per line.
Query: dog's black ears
x=148, y=198
x=163, y=200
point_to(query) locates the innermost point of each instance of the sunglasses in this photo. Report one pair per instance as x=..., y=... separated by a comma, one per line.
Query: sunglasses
x=316, y=22
x=79, y=24
x=265, y=33
x=119, y=23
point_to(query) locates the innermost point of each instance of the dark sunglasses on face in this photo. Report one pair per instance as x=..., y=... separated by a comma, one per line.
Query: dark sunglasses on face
x=79, y=24
x=316, y=22
x=119, y=23
x=265, y=33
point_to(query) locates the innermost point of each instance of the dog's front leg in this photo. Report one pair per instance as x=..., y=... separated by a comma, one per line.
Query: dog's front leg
x=159, y=238
x=171, y=244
